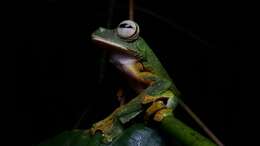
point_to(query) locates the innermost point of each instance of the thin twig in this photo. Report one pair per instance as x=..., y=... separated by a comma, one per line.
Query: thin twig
x=103, y=58
x=131, y=9
x=200, y=123
x=83, y=115
x=175, y=26
x=111, y=9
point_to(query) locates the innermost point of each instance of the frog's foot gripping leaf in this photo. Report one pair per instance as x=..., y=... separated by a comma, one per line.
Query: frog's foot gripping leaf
x=159, y=110
x=161, y=105
x=168, y=98
x=110, y=128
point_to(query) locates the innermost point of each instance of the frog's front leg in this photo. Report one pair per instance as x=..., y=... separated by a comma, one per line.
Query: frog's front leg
x=157, y=90
x=159, y=94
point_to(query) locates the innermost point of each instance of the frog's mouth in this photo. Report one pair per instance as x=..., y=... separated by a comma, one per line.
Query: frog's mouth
x=111, y=46
x=107, y=44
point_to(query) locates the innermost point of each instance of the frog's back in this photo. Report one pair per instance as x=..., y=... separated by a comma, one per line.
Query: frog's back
x=153, y=63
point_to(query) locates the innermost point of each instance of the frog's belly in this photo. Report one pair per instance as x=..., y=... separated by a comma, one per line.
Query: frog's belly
x=127, y=65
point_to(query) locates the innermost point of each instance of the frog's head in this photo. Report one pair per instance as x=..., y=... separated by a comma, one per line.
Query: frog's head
x=125, y=39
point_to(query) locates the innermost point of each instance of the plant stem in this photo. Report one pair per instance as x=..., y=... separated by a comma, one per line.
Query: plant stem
x=183, y=133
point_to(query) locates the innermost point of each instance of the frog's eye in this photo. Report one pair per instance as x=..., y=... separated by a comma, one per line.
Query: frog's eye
x=128, y=30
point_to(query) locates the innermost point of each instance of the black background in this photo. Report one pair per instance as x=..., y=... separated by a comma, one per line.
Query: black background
x=197, y=42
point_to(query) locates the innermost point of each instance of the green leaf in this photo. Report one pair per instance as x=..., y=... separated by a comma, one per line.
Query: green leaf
x=135, y=135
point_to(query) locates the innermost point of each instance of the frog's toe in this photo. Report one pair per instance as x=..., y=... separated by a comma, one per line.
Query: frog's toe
x=109, y=127
x=161, y=114
x=155, y=107
x=150, y=99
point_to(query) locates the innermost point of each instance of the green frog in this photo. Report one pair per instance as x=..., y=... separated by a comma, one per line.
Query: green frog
x=157, y=96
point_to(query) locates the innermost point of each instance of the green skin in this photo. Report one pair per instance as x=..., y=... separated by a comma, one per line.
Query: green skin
x=158, y=86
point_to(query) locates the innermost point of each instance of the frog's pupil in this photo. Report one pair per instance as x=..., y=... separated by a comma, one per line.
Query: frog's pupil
x=125, y=25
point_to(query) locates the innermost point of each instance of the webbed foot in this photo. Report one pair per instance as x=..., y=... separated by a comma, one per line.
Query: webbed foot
x=110, y=128
x=162, y=105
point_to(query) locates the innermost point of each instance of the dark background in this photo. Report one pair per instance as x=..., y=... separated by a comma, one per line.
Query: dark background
x=197, y=42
